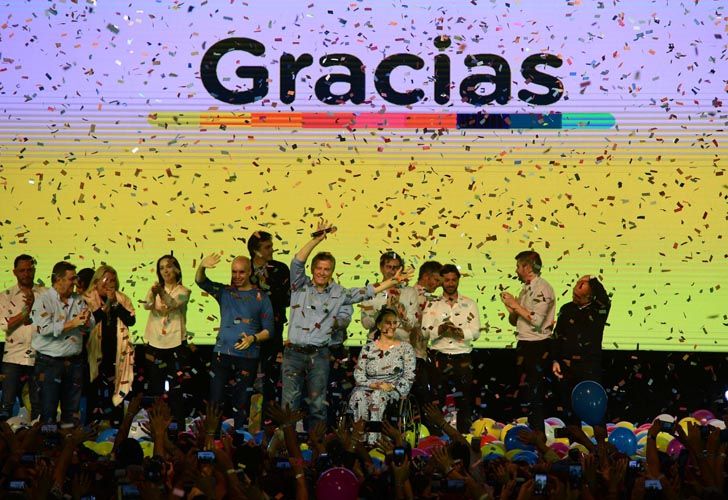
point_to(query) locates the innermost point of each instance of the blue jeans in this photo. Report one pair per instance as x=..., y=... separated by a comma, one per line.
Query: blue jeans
x=240, y=373
x=313, y=369
x=15, y=377
x=59, y=380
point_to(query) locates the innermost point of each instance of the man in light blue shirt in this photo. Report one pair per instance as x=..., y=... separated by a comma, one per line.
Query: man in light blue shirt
x=315, y=305
x=62, y=320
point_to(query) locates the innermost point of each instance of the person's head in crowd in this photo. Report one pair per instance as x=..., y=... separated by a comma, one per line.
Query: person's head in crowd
x=63, y=278
x=429, y=276
x=389, y=264
x=528, y=265
x=322, y=269
x=169, y=272
x=85, y=276
x=386, y=324
x=240, y=271
x=24, y=270
x=450, y=279
x=105, y=281
x=129, y=453
x=260, y=246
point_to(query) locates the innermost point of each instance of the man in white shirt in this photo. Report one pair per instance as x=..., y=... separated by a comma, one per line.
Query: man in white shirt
x=452, y=323
x=533, y=315
x=19, y=358
x=428, y=281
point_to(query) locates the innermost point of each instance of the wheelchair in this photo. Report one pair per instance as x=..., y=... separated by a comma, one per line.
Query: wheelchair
x=403, y=414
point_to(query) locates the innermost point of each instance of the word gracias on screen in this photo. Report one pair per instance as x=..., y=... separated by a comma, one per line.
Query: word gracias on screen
x=290, y=66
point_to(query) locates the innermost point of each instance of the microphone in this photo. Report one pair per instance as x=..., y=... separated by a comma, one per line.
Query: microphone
x=321, y=232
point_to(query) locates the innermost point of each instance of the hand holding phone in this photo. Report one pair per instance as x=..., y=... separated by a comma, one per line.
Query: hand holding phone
x=540, y=484
x=206, y=457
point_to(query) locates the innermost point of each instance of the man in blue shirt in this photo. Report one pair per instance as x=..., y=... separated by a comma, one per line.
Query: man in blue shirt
x=315, y=305
x=246, y=320
x=62, y=319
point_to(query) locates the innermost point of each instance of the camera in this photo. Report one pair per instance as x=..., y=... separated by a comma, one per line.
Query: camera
x=206, y=457
x=653, y=484
x=398, y=456
x=540, y=483
x=173, y=431
x=575, y=473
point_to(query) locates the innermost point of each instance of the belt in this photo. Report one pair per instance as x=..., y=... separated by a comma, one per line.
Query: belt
x=439, y=354
x=75, y=357
x=306, y=349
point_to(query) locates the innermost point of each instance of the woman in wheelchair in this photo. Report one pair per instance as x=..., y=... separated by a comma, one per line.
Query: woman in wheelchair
x=384, y=373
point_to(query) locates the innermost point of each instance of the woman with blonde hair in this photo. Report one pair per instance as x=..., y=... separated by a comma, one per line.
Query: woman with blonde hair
x=110, y=349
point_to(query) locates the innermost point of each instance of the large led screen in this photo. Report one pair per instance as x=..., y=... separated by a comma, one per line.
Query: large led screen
x=465, y=132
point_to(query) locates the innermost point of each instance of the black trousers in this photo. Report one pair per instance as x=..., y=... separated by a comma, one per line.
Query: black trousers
x=171, y=366
x=532, y=360
x=453, y=374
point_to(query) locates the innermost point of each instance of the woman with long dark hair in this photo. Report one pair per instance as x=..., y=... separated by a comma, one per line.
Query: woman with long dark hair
x=385, y=371
x=166, y=356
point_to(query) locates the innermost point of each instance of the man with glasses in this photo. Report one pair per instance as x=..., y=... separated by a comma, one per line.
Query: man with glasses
x=61, y=319
x=16, y=304
x=452, y=323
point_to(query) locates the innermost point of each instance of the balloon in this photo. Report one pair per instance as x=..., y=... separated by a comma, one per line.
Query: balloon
x=416, y=452
x=512, y=453
x=522, y=421
x=580, y=447
x=429, y=442
x=664, y=417
x=530, y=457
x=688, y=420
x=623, y=439
x=716, y=422
x=245, y=435
x=663, y=439
x=674, y=448
x=589, y=401
x=703, y=415
x=107, y=435
x=492, y=449
x=512, y=440
x=486, y=438
x=588, y=430
x=337, y=483
x=626, y=425
x=555, y=422
x=227, y=426
x=561, y=449
x=496, y=430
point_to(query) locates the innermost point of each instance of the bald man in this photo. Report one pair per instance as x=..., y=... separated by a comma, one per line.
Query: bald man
x=246, y=321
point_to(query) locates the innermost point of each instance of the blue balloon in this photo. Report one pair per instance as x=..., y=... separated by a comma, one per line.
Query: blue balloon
x=107, y=435
x=589, y=401
x=512, y=441
x=624, y=440
x=530, y=457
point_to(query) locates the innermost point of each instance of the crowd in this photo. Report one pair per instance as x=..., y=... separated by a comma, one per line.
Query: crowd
x=72, y=341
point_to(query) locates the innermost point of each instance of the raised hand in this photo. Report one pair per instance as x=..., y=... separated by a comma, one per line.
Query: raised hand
x=434, y=415
x=284, y=416
x=404, y=275
x=211, y=261
x=213, y=412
